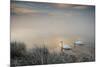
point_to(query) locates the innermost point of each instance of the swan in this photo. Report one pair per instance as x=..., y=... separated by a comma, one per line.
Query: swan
x=64, y=46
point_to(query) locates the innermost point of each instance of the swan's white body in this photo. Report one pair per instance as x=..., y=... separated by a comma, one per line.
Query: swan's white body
x=64, y=46
x=78, y=42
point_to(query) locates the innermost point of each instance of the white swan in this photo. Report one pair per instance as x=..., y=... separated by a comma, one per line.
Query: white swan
x=78, y=42
x=64, y=46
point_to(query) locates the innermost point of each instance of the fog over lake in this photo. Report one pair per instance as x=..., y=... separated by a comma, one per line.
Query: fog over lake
x=45, y=23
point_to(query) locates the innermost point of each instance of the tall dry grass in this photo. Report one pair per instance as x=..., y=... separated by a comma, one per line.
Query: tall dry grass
x=41, y=55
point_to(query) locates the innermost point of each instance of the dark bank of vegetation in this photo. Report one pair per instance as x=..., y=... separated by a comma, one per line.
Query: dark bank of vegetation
x=38, y=56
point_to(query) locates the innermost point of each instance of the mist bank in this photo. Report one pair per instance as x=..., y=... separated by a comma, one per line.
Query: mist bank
x=51, y=29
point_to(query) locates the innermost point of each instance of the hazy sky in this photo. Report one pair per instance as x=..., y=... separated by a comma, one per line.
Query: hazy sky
x=46, y=23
